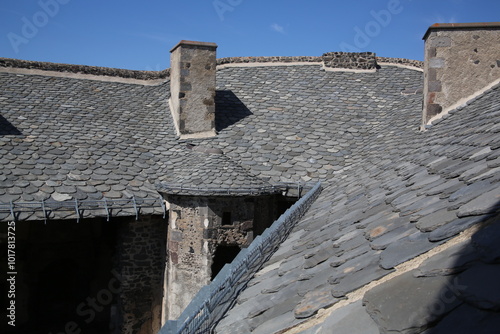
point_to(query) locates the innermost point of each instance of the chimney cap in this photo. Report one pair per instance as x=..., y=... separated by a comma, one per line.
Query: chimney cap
x=194, y=43
x=472, y=25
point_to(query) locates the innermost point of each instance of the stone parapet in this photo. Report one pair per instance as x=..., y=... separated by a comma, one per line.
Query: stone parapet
x=297, y=59
x=401, y=61
x=339, y=60
x=83, y=69
x=350, y=60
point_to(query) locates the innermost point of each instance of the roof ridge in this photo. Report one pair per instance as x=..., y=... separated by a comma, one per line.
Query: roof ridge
x=348, y=60
x=83, y=69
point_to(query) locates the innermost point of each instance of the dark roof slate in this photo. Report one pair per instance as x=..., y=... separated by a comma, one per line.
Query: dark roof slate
x=64, y=139
x=210, y=174
x=390, y=192
x=393, y=205
x=300, y=123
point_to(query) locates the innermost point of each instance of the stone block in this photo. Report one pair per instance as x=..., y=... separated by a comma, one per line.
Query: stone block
x=440, y=41
x=210, y=233
x=432, y=74
x=431, y=52
x=433, y=109
x=434, y=86
x=437, y=63
x=176, y=236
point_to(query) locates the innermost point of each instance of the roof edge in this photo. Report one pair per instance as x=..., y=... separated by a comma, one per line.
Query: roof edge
x=12, y=65
x=194, y=44
x=83, y=69
x=471, y=25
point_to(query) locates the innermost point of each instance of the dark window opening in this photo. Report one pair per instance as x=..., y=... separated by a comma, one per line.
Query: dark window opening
x=226, y=219
x=223, y=255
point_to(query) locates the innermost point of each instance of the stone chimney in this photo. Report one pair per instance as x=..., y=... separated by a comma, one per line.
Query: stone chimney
x=461, y=61
x=192, y=87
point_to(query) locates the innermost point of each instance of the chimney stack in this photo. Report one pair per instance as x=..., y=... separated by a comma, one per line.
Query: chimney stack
x=192, y=88
x=461, y=60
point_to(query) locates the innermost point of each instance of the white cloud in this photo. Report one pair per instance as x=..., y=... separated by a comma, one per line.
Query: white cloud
x=276, y=27
x=438, y=18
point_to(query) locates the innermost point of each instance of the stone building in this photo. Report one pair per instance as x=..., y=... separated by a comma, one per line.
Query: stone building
x=130, y=189
x=215, y=208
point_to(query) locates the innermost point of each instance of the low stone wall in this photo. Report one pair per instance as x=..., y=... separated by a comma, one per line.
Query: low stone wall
x=242, y=60
x=350, y=60
x=84, y=69
x=401, y=61
x=339, y=60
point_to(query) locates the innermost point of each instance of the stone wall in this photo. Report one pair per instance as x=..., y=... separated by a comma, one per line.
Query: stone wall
x=401, y=61
x=141, y=266
x=247, y=60
x=84, y=69
x=340, y=60
x=197, y=226
x=350, y=60
x=93, y=276
x=460, y=59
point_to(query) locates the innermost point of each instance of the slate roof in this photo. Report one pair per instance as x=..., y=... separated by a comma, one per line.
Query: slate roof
x=65, y=139
x=291, y=123
x=202, y=172
x=390, y=192
x=410, y=192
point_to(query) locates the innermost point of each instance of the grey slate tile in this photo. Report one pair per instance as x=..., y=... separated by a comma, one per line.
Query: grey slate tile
x=405, y=249
x=315, y=300
x=486, y=241
x=434, y=220
x=451, y=261
x=486, y=203
x=357, y=153
x=350, y=319
x=406, y=304
x=453, y=228
x=466, y=319
x=386, y=239
x=484, y=294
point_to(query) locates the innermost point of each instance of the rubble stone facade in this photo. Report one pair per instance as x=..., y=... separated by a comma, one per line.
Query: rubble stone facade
x=460, y=59
x=198, y=227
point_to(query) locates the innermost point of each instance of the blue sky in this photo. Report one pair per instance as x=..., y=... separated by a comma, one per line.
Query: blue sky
x=139, y=34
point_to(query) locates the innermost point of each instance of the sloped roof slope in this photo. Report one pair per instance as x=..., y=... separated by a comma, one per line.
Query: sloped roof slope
x=301, y=123
x=210, y=173
x=406, y=194
x=391, y=192
x=71, y=138
x=64, y=139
